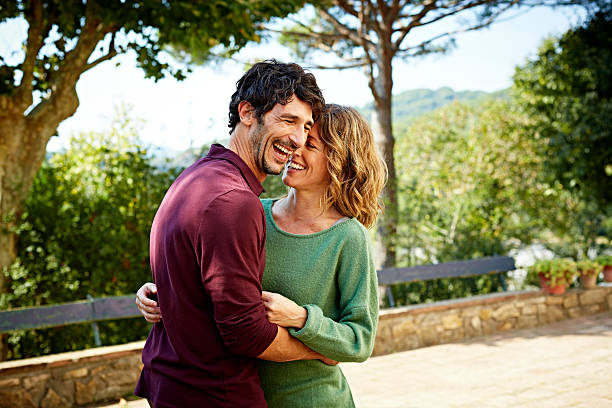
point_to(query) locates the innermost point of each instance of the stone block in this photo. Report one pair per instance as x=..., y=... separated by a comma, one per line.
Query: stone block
x=62, y=387
x=451, y=322
x=53, y=400
x=485, y=313
x=529, y=310
x=85, y=392
x=15, y=397
x=430, y=319
x=554, y=313
x=93, y=371
x=131, y=362
x=489, y=327
x=121, y=377
x=592, y=309
x=473, y=326
x=36, y=386
x=541, y=309
x=470, y=312
x=451, y=335
x=505, y=325
x=505, y=312
x=554, y=300
x=570, y=301
x=9, y=382
x=405, y=328
x=527, y=321
x=429, y=336
x=35, y=380
x=575, y=312
x=78, y=373
x=409, y=342
x=383, y=345
x=593, y=296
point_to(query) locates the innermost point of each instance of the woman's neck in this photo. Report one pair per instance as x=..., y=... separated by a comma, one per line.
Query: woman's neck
x=301, y=213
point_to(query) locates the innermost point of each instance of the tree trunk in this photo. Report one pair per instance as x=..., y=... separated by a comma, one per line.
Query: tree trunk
x=383, y=131
x=23, y=143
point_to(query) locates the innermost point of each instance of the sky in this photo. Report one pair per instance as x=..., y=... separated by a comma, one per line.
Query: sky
x=178, y=115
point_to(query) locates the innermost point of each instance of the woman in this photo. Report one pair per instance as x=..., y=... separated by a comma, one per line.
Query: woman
x=320, y=280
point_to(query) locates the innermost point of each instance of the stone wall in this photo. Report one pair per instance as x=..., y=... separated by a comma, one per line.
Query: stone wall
x=71, y=379
x=107, y=373
x=410, y=327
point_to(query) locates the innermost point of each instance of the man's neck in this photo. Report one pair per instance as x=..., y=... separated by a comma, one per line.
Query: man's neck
x=240, y=145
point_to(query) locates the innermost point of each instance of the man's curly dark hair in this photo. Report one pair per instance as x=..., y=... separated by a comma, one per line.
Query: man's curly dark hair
x=270, y=82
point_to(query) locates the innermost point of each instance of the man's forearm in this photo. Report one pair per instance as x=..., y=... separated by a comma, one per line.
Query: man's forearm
x=285, y=347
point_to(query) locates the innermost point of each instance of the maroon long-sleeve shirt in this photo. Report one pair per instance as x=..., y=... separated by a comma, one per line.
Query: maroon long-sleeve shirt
x=207, y=257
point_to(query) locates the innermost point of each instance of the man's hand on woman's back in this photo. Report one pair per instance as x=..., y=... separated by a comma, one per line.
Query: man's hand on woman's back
x=147, y=306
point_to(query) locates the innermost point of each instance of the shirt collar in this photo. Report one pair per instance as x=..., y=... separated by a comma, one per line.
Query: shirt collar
x=217, y=151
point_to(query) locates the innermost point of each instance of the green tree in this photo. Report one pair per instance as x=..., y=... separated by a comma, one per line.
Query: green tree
x=85, y=230
x=372, y=34
x=469, y=188
x=568, y=90
x=67, y=38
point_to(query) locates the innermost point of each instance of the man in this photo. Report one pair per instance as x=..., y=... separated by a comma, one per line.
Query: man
x=208, y=255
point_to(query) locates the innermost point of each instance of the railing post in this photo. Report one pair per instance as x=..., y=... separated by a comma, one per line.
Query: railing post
x=94, y=324
x=502, y=280
x=390, y=296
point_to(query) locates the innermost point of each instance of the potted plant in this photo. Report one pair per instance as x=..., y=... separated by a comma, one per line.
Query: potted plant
x=554, y=274
x=588, y=271
x=606, y=262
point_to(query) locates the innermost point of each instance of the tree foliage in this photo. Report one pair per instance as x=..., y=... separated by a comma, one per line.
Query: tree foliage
x=469, y=188
x=568, y=89
x=66, y=38
x=372, y=34
x=85, y=230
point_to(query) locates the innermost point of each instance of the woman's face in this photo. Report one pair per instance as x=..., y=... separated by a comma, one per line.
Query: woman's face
x=307, y=169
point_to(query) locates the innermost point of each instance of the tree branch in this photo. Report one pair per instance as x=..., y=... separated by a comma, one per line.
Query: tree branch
x=34, y=44
x=112, y=52
x=486, y=23
x=344, y=5
x=63, y=101
x=344, y=30
x=416, y=19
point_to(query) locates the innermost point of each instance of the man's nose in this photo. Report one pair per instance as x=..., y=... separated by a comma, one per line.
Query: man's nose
x=298, y=138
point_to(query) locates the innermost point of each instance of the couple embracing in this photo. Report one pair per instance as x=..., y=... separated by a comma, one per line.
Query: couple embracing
x=258, y=300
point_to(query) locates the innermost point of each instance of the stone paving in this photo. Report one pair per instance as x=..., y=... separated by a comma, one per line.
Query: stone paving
x=567, y=364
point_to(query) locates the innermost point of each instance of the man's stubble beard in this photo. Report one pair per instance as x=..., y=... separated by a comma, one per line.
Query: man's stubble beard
x=259, y=150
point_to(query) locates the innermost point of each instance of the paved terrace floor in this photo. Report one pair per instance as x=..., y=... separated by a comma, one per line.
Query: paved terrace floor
x=568, y=364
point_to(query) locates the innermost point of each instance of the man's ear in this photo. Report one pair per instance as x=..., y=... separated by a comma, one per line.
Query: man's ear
x=246, y=111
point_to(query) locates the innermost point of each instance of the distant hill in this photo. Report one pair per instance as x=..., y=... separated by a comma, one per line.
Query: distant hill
x=416, y=102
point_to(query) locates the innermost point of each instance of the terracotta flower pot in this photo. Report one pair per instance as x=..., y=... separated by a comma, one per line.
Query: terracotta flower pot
x=607, y=272
x=558, y=289
x=588, y=281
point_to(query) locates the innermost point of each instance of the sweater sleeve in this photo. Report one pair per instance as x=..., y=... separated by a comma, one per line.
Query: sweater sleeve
x=351, y=338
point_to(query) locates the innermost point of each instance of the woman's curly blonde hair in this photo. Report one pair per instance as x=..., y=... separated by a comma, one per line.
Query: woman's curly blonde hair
x=358, y=173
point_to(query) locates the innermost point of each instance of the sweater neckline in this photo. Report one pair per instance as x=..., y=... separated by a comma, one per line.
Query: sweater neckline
x=270, y=203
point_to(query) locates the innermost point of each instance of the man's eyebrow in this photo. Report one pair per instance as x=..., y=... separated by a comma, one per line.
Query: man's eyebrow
x=295, y=117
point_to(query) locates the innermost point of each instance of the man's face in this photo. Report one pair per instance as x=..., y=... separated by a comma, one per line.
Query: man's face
x=284, y=129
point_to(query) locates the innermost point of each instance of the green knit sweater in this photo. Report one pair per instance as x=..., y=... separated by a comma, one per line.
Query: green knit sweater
x=331, y=273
